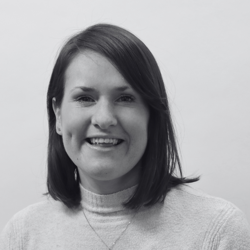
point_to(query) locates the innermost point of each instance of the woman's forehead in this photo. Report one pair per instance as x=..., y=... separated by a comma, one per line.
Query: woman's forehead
x=92, y=70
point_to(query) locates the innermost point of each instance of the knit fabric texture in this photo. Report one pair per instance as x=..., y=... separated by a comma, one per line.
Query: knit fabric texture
x=188, y=219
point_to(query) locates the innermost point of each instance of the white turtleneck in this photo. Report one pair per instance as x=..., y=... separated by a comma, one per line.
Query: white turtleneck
x=188, y=219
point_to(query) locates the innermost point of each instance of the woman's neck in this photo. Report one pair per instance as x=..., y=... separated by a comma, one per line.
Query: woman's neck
x=109, y=203
x=112, y=186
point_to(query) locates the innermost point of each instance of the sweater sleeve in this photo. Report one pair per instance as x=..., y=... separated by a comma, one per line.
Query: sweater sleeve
x=10, y=237
x=234, y=233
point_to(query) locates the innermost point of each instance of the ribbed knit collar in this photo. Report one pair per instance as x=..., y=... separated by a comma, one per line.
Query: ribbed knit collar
x=98, y=203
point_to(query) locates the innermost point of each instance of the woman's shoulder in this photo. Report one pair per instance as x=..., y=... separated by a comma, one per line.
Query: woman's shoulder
x=27, y=213
x=191, y=191
x=221, y=220
x=198, y=202
x=33, y=222
x=36, y=214
x=38, y=210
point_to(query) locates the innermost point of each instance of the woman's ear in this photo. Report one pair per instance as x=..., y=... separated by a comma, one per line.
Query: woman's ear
x=57, y=112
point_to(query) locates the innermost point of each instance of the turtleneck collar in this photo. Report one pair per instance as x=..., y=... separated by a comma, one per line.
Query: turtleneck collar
x=110, y=203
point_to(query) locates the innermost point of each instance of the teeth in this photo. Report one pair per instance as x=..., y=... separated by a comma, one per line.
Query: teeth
x=103, y=140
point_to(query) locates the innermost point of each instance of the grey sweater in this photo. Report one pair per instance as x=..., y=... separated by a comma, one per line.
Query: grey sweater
x=188, y=219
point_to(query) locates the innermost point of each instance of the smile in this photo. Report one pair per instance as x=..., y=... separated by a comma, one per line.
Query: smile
x=106, y=142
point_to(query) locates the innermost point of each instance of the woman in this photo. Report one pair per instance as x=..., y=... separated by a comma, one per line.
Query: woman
x=113, y=162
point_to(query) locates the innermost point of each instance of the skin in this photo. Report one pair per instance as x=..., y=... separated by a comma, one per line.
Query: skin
x=98, y=102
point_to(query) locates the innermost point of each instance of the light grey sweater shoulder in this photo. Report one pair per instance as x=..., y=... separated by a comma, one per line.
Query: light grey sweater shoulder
x=188, y=219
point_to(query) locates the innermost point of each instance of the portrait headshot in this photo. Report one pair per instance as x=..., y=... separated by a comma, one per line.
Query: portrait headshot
x=125, y=125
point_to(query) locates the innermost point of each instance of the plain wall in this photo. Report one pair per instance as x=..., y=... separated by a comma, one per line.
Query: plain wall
x=203, y=50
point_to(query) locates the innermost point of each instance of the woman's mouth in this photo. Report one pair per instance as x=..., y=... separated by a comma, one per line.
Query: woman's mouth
x=104, y=142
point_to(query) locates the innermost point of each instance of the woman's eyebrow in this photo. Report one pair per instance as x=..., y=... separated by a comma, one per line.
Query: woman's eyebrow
x=88, y=89
x=85, y=89
x=121, y=88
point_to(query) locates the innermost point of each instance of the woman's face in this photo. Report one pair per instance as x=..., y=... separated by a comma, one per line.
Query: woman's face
x=103, y=122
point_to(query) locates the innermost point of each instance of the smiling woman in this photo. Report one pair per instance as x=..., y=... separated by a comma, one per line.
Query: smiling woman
x=96, y=71
x=103, y=122
x=114, y=173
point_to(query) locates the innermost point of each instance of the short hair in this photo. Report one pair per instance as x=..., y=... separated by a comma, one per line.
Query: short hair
x=137, y=65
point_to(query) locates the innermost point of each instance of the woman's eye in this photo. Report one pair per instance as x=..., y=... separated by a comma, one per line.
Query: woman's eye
x=85, y=99
x=126, y=98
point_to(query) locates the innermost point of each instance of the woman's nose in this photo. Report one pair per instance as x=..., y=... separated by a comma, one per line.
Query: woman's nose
x=104, y=116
